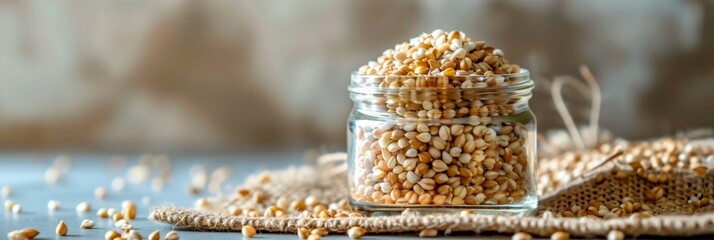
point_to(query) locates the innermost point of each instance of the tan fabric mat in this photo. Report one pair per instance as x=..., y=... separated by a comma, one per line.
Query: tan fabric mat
x=673, y=215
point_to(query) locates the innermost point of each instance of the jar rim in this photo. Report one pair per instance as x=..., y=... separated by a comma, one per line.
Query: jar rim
x=363, y=83
x=521, y=73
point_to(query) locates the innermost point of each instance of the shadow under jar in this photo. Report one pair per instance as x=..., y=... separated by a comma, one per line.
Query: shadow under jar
x=436, y=143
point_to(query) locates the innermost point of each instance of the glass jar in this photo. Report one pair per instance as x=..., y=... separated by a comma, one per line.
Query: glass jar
x=442, y=143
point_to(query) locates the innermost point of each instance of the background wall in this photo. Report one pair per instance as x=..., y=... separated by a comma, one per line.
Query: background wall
x=225, y=75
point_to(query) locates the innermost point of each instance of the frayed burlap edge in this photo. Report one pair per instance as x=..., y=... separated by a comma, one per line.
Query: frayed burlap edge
x=655, y=226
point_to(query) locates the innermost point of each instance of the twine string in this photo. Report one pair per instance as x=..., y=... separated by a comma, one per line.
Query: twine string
x=592, y=90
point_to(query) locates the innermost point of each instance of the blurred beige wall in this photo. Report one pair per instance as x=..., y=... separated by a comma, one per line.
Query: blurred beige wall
x=223, y=75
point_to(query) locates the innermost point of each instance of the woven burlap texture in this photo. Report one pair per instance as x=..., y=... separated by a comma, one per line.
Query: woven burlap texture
x=672, y=216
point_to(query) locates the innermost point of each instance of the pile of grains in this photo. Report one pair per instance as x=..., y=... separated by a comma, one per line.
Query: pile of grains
x=441, y=139
x=259, y=198
x=441, y=53
x=480, y=67
x=650, y=160
x=441, y=165
x=653, y=161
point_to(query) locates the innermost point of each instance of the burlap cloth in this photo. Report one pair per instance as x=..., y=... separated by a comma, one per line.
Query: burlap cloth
x=672, y=216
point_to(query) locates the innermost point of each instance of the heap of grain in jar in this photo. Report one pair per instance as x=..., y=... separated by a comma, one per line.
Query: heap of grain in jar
x=451, y=142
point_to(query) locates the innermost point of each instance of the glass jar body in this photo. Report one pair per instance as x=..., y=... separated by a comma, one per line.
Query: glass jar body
x=483, y=160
